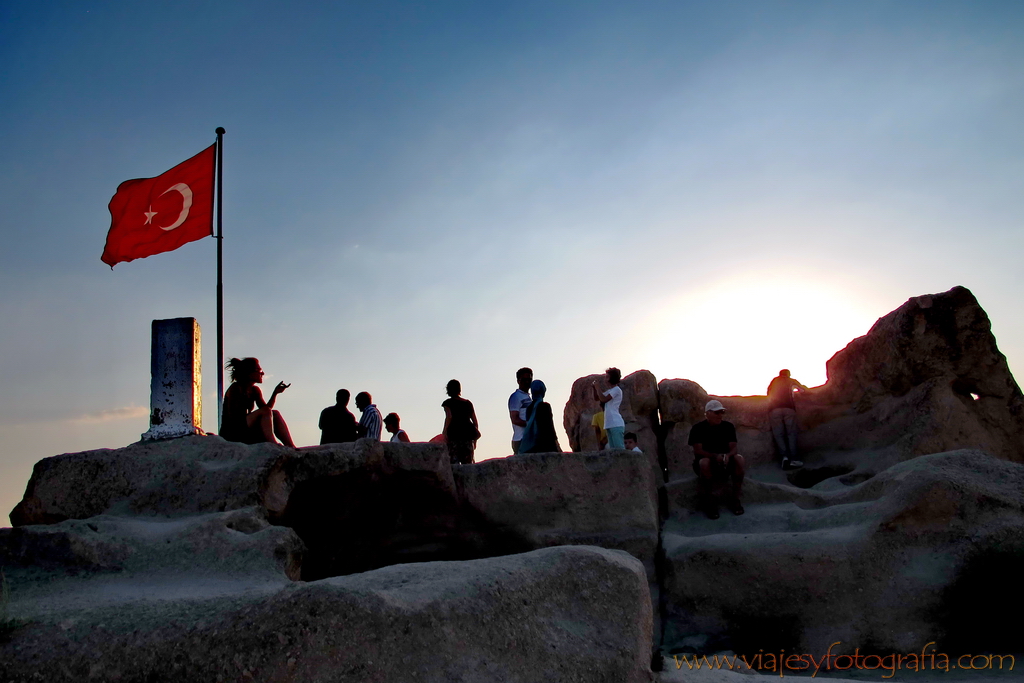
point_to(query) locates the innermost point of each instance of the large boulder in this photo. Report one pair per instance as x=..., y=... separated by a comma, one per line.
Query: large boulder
x=558, y=614
x=922, y=552
x=537, y=500
x=927, y=378
x=355, y=506
x=239, y=543
x=363, y=505
x=193, y=474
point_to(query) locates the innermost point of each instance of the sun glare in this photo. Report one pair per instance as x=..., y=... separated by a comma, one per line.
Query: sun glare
x=732, y=337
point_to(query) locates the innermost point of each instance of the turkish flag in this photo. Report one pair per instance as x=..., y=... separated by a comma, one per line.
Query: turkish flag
x=152, y=215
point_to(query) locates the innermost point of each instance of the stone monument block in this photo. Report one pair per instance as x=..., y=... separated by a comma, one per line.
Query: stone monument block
x=176, y=389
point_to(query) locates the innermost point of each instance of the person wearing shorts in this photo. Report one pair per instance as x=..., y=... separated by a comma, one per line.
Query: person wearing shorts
x=715, y=459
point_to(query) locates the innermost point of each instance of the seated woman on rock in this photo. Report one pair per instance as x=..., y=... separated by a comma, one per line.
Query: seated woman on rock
x=240, y=421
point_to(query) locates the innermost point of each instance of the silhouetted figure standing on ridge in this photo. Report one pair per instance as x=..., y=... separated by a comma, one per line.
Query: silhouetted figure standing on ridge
x=782, y=415
x=398, y=435
x=337, y=423
x=518, y=402
x=461, y=429
x=239, y=420
x=370, y=422
x=539, y=436
x=715, y=459
x=611, y=400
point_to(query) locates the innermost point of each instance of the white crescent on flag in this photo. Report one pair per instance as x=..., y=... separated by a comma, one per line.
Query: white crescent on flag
x=186, y=195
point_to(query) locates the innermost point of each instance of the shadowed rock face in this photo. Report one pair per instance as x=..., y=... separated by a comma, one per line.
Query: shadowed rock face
x=194, y=474
x=886, y=564
x=901, y=391
x=559, y=614
x=366, y=505
x=358, y=506
x=545, y=499
x=220, y=578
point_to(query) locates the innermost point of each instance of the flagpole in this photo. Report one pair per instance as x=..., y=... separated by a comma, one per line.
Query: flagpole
x=220, y=277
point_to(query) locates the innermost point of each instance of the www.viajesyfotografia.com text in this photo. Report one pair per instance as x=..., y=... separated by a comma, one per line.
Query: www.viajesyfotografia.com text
x=889, y=664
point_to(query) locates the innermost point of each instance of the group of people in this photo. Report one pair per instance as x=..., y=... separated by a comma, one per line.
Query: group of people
x=714, y=444
x=461, y=428
x=248, y=418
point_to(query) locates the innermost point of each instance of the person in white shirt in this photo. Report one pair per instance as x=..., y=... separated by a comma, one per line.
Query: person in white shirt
x=614, y=425
x=518, y=402
x=398, y=434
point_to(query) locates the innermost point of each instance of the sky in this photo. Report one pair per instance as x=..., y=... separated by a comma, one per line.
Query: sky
x=421, y=191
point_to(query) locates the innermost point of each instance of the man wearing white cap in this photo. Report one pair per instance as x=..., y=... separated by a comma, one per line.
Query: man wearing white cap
x=715, y=458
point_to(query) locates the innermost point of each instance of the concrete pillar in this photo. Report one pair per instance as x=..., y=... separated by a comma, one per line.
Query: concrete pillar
x=176, y=389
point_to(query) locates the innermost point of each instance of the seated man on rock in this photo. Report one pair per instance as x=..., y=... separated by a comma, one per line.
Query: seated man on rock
x=715, y=459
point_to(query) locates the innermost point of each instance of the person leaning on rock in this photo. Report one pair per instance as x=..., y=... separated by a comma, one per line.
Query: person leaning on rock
x=715, y=459
x=337, y=423
x=782, y=416
x=631, y=443
x=370, y=422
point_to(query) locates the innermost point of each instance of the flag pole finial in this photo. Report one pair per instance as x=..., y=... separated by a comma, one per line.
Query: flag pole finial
x=220, y=131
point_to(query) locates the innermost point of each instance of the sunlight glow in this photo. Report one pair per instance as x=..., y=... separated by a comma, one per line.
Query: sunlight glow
x=733, y=336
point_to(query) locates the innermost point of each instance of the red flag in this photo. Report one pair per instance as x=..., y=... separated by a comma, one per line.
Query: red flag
x=152, y=215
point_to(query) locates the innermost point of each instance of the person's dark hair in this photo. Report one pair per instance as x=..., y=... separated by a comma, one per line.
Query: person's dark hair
x=523, y=372
x=614, y=375
x=342, y=396
x=241, y=368
x=454, y=388
x=391, y=418
x=629, y=435
x=364, y=396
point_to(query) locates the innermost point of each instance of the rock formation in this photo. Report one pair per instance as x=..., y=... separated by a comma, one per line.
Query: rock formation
x=558, y=614
x=639, y=410
x=924, y=551
x=926, y=378
x=235, y=525
x=200, y=559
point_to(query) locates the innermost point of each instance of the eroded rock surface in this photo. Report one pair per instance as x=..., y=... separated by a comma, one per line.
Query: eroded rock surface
x=366, y=505
x=922, y=552
x=927, y=378
x=545, y=499
x=194, y=474
x=558, y=614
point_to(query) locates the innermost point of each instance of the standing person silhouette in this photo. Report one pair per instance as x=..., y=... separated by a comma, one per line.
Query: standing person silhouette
x=517, y=405
x=461, y=429
x=782, y=416
x=370, y=422
x=239, y=420
x=614, y=425
x=337, y=423
x=539, y=435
